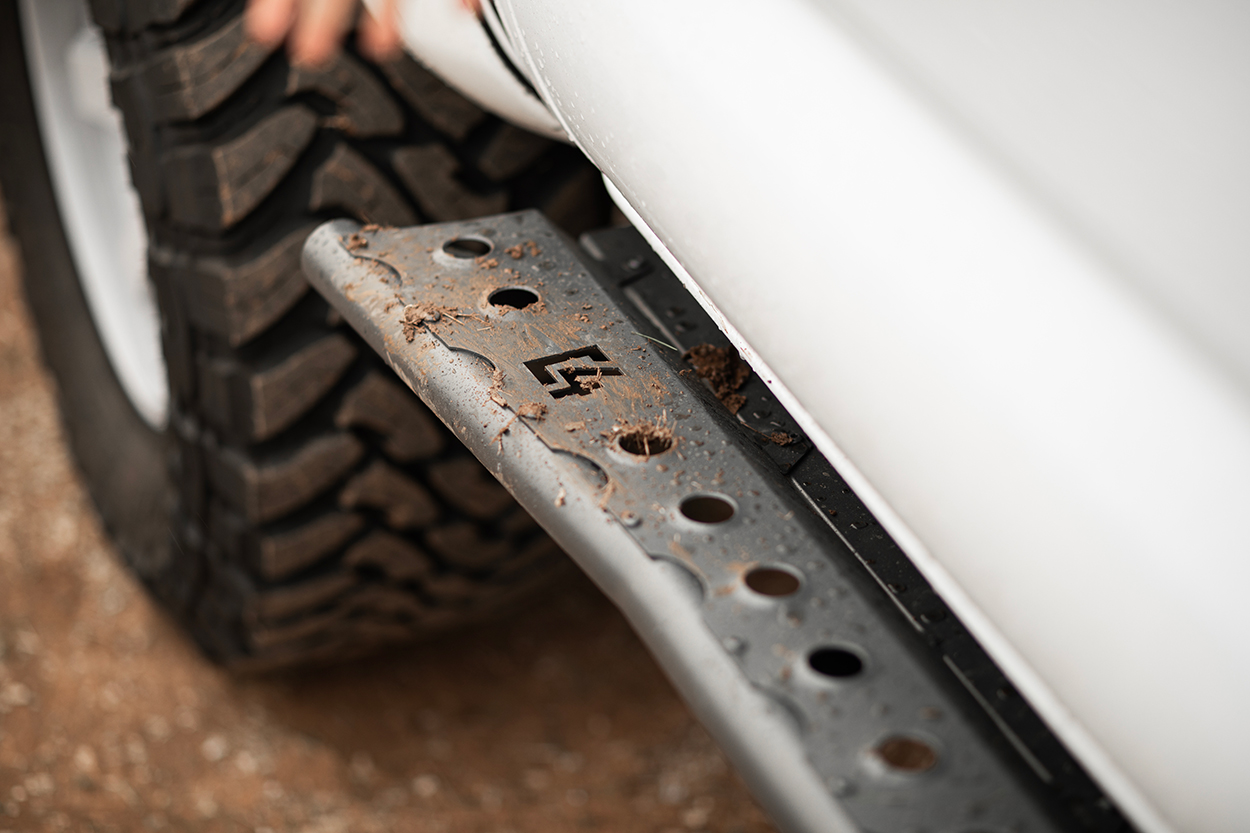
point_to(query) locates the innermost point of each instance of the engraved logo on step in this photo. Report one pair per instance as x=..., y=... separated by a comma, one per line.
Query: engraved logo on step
x=580, y=377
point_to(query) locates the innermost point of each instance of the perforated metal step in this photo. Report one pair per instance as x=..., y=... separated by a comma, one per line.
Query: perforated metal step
x=826, y=676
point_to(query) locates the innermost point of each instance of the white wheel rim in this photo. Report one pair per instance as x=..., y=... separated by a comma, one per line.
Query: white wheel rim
x=85, y=144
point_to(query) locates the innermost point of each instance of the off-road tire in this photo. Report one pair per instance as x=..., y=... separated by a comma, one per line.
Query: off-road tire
x=301, y=504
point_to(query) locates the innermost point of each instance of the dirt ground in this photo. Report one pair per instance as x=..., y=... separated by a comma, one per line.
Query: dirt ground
x=556, y=720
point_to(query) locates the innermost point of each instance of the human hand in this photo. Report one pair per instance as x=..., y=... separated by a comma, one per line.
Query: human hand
x=313, y=29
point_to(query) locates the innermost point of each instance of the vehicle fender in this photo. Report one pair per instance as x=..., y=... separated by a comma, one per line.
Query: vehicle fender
x=469, y=56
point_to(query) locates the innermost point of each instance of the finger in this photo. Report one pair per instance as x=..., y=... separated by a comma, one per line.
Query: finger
x=379, y=34
x=320, y=29
x=269, y=21
x=474, y=6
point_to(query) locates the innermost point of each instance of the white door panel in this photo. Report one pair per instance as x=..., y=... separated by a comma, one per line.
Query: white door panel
x=1129, y=119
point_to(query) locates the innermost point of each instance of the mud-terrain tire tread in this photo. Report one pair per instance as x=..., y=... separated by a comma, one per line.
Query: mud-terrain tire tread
x=320, y=508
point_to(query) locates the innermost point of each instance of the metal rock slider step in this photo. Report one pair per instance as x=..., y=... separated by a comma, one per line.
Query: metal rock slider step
x=810, y=675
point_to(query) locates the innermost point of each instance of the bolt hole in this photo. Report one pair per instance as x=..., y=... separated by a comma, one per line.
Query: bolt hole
x=771, y=581
x=835, y=662
x=707, y=509
x=514, y=297
x=466, y=248
x=907, y=754
x=645, y=440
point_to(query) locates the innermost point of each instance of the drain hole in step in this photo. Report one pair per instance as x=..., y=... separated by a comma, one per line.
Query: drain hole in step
x=707, y=509
x=466, y=248
x=773, y=581
x=835, y=662
x=906, y=754
x=513, y=296
x=645, y=440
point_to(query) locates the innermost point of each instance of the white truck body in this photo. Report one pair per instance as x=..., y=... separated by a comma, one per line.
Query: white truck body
x=994, y=259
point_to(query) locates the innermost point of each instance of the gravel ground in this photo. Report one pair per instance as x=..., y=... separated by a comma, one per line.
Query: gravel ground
x=555, y=720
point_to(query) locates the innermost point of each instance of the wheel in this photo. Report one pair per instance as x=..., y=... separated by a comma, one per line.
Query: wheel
x=261, y=470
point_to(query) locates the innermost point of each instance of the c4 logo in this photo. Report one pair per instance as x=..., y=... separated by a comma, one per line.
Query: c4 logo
x=580, y=377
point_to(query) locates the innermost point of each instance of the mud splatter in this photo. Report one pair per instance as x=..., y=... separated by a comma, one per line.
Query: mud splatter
x=530, y=410
x=723, y=369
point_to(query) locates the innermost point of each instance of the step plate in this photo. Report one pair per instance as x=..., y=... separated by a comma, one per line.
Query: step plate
x=796, y=661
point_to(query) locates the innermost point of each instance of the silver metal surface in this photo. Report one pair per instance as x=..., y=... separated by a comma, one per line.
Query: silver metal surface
x=557, y=398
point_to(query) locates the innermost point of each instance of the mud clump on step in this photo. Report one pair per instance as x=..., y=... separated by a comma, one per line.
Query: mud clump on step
x=355, y=242
x=645, y=439
x=723, y=369
x=518, y=251
x=417, y=316
x=532, y=410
